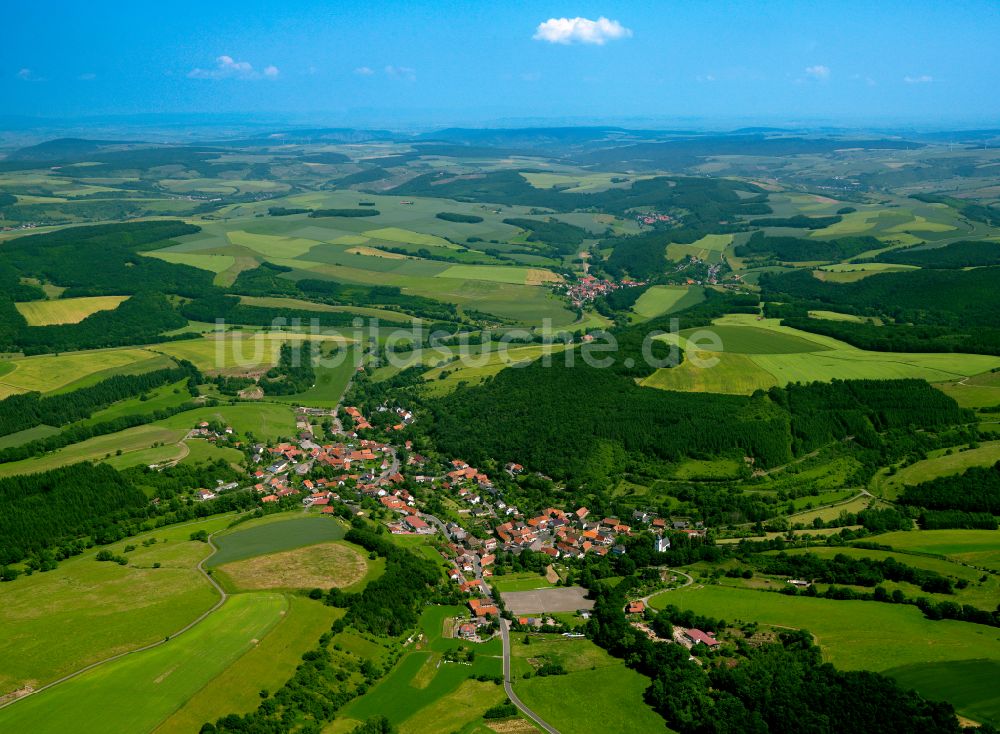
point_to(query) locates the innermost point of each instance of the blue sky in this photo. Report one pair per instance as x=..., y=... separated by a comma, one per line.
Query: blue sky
x=468, y=62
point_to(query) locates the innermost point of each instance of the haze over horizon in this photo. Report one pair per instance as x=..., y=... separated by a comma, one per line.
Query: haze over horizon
x=428, y=64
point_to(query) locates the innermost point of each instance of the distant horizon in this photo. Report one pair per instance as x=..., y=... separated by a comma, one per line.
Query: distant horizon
x=430, y=63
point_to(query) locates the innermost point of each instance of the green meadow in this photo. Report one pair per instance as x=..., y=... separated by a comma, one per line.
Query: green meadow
x=412, y=694
x=84, y=611
x=975, y=547
x=597, y=695
x=138, y=692
x=266, y=666
x=97, y=448
x=757, y=354
x=661, y=299
x=49, y=372
x=887, y=638
x=272, y=535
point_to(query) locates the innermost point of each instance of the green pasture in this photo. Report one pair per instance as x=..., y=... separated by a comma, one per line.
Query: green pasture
x=597, y=695
x=834, y=316
x=940, y=464
x=138, y=692
x=49, y=372
x=28, y=434
x=96, y=449
x=162, y=398
x=422, y=678
x=752, y=340
x=852, y=634
x=274, y=534
x=332, y=376
x=151, y=362
x=265, y=421
x=975, y=547
x=661, y=299
x=735, y=374
x=969, y=685
x=84, y=611
x=978, y=391
x=268, y=665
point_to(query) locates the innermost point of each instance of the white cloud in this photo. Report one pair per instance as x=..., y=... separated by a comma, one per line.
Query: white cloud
x=921, y=79
x=364, y=71
x=580, y=30
x=228, y=68
x=401, y=72
x=87, y=77
x=818, y=71
x=25, y=75
x=705, y=78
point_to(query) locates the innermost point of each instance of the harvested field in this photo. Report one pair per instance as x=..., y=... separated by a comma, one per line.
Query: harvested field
x=558, y=599
x=315, y=566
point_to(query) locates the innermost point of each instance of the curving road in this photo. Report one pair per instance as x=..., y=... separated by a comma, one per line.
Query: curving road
x=505, y=635
x=222, y=600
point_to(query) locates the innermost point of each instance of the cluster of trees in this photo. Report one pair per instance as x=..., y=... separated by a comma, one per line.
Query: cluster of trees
x=460, y=218
x=228, y=308
x=964, y=254
x=558, y=237
x=344, y=213
x=926, y=310
x=643, y=256
x=777, y=687
x=106, y=259
x=141, y=319
x=391, y=604
x=798, y=249
x=976, y=490
x=704, y=201
x=799, y=221
x=843, y=569
x=583, y=423
x=52, y=515
x=969, y=209
x=825, y=412
x=946, y=519
x=283, y=211
x=38, y=511
x=295, y=372
x=20, y=412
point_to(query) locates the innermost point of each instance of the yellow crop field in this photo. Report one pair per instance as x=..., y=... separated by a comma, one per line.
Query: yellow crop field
x=66, y=310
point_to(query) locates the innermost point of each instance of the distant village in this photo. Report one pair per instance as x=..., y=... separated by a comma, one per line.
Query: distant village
x=354, y=472
x=589, y=288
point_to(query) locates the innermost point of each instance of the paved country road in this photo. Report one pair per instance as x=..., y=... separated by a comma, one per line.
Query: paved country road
x=222, y=600
x=505, y=635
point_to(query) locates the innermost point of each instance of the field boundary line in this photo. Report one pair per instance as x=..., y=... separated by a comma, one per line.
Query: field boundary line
x=218, y=604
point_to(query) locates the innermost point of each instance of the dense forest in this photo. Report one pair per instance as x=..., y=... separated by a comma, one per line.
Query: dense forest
x=39, y=510
x=799, y=221
x=582, y=423
x=777, y=687
x=975, y=490
x=798, y=249
x=924, y=310
x=49, y=516
x=19, y=412
x=964, y=254
x=559, y=237
x=703, y=201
